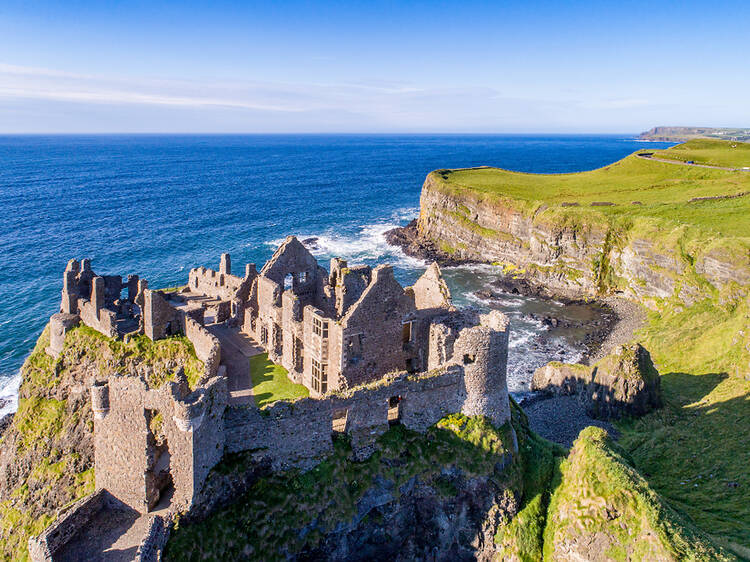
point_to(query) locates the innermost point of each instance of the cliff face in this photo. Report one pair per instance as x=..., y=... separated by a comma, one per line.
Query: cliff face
x=575, y=251
x=465, y=227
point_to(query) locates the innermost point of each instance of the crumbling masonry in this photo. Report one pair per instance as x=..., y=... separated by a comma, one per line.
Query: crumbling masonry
x=371, y=352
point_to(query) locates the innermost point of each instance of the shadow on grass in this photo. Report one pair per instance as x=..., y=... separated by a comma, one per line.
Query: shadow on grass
x=270, y=382
x=695, y=451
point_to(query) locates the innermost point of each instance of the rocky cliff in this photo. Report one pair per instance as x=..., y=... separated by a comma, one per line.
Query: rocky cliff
x=579, y=252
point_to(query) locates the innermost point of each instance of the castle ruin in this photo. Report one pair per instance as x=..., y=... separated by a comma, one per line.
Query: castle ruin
x=371, y=352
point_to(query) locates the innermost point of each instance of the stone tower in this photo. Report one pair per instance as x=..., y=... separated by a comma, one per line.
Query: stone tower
x=483, y=351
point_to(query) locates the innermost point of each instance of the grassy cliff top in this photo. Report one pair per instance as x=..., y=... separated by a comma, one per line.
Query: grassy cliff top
x=709, y=152
x=660, y=190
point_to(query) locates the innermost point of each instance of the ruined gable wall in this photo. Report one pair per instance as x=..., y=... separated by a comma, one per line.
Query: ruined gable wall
x=378, y=316
x=351, y=282
x=291, y=257
x=431, y=290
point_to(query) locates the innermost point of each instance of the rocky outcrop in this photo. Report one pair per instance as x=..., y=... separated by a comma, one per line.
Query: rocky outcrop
x=560, y=379
x=419, y=523
x=46, y=453
x=625, y=383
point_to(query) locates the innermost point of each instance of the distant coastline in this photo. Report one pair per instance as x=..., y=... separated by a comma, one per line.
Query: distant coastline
x=682, y=134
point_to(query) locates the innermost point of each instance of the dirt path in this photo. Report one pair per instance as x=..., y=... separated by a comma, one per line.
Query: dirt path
x=236, y=350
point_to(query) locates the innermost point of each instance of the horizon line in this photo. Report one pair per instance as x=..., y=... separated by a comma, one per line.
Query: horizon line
x=313, y=133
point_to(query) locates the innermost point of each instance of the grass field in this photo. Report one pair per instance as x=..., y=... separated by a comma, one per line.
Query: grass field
x=271, y=383
x=711, y=152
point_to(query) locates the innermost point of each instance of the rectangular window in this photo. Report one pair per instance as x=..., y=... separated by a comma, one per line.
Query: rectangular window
x=299, y=354
x=320, y=327
x=394, y=410
x=263, y=335
x=354, y=348
x=319, y=377
x=406, y=332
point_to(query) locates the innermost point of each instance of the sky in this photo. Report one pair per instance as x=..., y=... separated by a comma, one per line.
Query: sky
x=103, y=66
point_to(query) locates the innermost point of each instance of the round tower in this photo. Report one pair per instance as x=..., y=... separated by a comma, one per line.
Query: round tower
x=100, y=399
x=483, y=352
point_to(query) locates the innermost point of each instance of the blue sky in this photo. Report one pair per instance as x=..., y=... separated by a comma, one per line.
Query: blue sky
x=486, y=67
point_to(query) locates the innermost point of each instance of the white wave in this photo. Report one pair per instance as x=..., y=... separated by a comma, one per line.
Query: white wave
x=9, y=394
x=366, y=245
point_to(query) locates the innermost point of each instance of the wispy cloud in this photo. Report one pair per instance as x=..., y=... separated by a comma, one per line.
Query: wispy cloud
x=243, y=105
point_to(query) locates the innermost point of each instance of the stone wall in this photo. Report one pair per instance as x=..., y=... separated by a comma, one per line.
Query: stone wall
x=154, y=540
x=70, y=520
x=59, y=325
x=160, y=319
x=146, y=438
x=214, y=284
x=207, y=346
x=298, y=434
x=121, y=442
x=371, y=337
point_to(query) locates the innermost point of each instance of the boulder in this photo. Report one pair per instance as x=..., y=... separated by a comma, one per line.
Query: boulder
x=560, y=379
x=624, y=383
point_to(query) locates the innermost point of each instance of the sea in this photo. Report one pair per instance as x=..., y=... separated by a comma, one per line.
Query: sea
x=160, y=205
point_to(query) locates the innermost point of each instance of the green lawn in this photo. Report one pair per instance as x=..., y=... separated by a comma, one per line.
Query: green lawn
x=271, y=383
x=711, y=152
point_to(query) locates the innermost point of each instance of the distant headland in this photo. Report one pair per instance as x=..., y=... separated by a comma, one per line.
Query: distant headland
x=682, y=134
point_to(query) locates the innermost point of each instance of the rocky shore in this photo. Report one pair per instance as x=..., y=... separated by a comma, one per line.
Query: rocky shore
x=558, y=418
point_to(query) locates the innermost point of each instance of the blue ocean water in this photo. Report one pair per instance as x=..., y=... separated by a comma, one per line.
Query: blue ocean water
x=160, y=205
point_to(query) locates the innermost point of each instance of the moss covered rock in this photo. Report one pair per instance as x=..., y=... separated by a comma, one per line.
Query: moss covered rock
x=603, y=509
